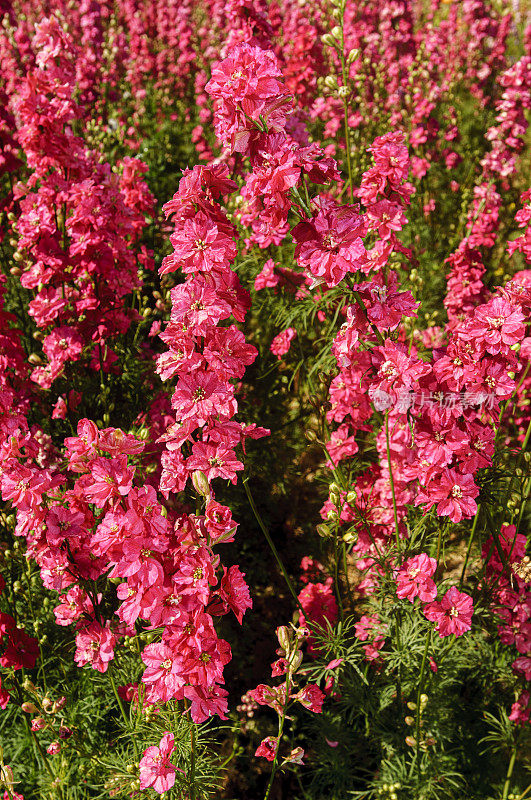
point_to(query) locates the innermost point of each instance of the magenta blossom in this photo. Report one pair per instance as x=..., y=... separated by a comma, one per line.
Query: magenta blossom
x=156, y=769
x=414, y=579
x=453, y=613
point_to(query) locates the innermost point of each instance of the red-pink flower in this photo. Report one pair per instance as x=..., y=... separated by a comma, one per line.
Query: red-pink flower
x=453, y=613
x=268, y=748
x=311, y=697
x=95, y=646
x=156, y=769
x=414, y=579
x=454, y=494
x=282, y=343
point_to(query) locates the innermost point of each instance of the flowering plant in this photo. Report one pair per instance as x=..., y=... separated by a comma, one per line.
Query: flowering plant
x=265, y=340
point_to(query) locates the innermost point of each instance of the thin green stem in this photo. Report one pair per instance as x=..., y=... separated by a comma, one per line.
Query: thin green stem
x=193, y=745
x=122, y=709
x=469, y=547
x=415, y=762
x=271, y=544
x=392, y=483
x=279, y=737
x=344, y=76
x=510, y=768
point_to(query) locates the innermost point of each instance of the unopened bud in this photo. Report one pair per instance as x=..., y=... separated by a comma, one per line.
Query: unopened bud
x=47, y=704
x=409, y=720
x=200, y=483
x=296, y=660
x=284, y=637
x=29, y=708
x=58, y=705
x=324, y=531
x=411, y=741
x=6, y=776
x=328, y=39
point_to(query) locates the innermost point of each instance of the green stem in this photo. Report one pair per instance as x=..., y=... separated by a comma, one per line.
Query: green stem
x=193, y=744
x=271, y=544
x=280, y=729
x=344, y=77
x=469, y=547
x=122, y=709
x=507, y=784
x=392, y=483
x=415, y=762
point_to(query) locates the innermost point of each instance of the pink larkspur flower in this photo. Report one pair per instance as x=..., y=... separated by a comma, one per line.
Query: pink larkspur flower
x=452, y=614
x=414, y=579
x=156, y=770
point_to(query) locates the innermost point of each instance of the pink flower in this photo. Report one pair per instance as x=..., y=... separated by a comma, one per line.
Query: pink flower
x=95, y=646
x=331, y=244
x=206, y=701
x=235, y=592
x=311, y=697
x=59, y=409
x=295, y=757
x=454, y=494
x=267, y=277
x=268, y=748
x=453, y=613
x=414, y=579
x=282, y=343
x=319, y=604
x=156, y=770
x=521, y=709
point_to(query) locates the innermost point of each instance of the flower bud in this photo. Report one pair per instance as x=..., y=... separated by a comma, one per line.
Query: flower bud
x=29, y=708
x=336, y=32
x=6, y=775
x=331, y=81
x=411, y=741
x=200, y=483
x=53, y=748
x=296, y=661
x=328, y=39
x=58, y=705
x=284, y=637
x=409, y=720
